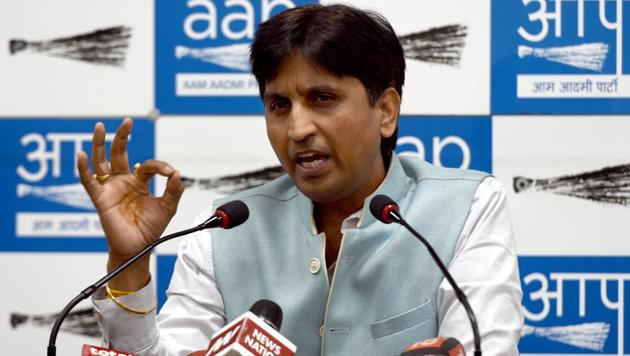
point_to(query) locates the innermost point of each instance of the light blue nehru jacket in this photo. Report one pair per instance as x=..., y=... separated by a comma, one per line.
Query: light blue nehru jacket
x=383, y=295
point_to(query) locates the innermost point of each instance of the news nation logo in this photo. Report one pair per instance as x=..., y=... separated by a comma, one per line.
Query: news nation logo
x=456, y=142
x=46, y=206
x=574, y=305
x=548, y=53
x=202, y=54
x=89, y=350
x=249, y=335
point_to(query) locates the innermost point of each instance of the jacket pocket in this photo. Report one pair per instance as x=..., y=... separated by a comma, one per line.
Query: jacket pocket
x=403, y=321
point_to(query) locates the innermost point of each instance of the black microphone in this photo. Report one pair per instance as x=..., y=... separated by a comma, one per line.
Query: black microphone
x=226, y=216
x=386, y=210
x=269, y=312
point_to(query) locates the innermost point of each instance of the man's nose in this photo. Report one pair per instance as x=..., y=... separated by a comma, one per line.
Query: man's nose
x=301, y=124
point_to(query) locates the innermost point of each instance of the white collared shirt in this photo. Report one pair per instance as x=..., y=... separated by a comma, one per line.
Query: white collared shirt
x=484, y=265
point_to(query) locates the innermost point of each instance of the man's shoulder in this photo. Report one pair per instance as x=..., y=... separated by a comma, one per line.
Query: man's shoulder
x=419, y=170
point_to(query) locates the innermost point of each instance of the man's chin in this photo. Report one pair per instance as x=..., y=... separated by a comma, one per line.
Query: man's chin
x=318, y=193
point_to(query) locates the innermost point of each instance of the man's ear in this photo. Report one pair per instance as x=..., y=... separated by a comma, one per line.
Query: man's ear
x=389, y=107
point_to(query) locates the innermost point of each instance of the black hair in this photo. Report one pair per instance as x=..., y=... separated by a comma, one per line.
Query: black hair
x=344, y=40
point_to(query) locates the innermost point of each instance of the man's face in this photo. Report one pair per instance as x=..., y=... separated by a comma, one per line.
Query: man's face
x=325, y=132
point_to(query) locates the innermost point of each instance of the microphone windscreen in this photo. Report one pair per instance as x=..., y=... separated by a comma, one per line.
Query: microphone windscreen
x=268, y=311
x=380, y=207
x=234, y=213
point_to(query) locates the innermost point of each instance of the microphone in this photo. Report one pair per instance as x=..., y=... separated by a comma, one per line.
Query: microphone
x=439, y=346
x=255, y=333
x=226, y=216
x=387, y=211
x=90, y=350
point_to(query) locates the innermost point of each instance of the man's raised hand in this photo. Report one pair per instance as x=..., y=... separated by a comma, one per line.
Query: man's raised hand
x=131, y=217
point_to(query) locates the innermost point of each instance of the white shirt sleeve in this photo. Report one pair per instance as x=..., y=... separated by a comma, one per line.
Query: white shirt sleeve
x=193, y=311
x=485, y=267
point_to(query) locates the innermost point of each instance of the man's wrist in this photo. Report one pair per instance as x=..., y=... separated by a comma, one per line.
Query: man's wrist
x=134, y=278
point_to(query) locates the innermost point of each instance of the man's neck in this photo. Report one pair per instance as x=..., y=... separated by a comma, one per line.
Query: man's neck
x=329, y=216
x=334, y=214
x=328, y=219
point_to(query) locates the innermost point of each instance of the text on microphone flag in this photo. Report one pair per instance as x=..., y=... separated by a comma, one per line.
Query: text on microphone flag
x=90, y=350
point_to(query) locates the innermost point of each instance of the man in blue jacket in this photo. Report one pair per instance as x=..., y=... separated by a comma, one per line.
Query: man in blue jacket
x=331, y=80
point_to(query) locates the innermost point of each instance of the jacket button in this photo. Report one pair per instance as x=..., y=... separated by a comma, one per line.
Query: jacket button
x=321, y=331
x=314, y=265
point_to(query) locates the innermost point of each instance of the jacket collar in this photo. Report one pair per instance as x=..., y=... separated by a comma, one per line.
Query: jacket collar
x=394, y=185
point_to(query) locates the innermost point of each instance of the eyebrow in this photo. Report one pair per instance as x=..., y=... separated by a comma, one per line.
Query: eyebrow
x=315, y=88
x=269, y=96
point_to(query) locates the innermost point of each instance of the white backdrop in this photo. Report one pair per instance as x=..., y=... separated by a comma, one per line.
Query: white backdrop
x=569, y=246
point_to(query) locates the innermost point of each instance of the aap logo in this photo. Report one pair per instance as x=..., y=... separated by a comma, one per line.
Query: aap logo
x=548, y=53
x=462, y=142
x=202, y=54
x=574, y=305
x=46, y=206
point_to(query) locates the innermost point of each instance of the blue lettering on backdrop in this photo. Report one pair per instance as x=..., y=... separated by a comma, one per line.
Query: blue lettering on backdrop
x=457, y=142
x=560, y=56
x=202, y=54
x=44, y=206
x=574, y=305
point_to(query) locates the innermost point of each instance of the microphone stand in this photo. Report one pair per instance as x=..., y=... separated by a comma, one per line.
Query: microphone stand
x=213, y=221
x=396, y=217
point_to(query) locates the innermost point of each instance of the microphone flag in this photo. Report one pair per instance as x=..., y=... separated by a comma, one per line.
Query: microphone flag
x=439, y=346
x=249, y=335
x=90, y=350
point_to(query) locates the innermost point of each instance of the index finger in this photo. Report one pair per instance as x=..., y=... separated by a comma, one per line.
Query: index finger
x=99, y=157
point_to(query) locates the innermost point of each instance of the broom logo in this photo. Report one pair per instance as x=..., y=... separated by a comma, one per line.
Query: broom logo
x=234, y=56
x=72, y=195
x=589, y=56
x=234, y=183
x=609, y=185
x=439, y=45
x=591, y=336
x=106, y=46
x=78, y=322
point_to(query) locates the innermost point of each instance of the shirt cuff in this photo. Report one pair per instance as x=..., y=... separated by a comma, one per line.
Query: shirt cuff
x=123, y=330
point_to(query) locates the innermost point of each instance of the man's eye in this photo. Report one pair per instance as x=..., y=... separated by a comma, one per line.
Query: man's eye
x=323, y=98
x=277, y=105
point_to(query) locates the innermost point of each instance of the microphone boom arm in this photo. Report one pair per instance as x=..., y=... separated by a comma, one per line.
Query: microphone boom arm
x=395, y=216
x=87, y=292
x=228, y=215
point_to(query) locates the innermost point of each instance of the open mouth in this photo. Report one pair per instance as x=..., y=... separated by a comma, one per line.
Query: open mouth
x=311, y=160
